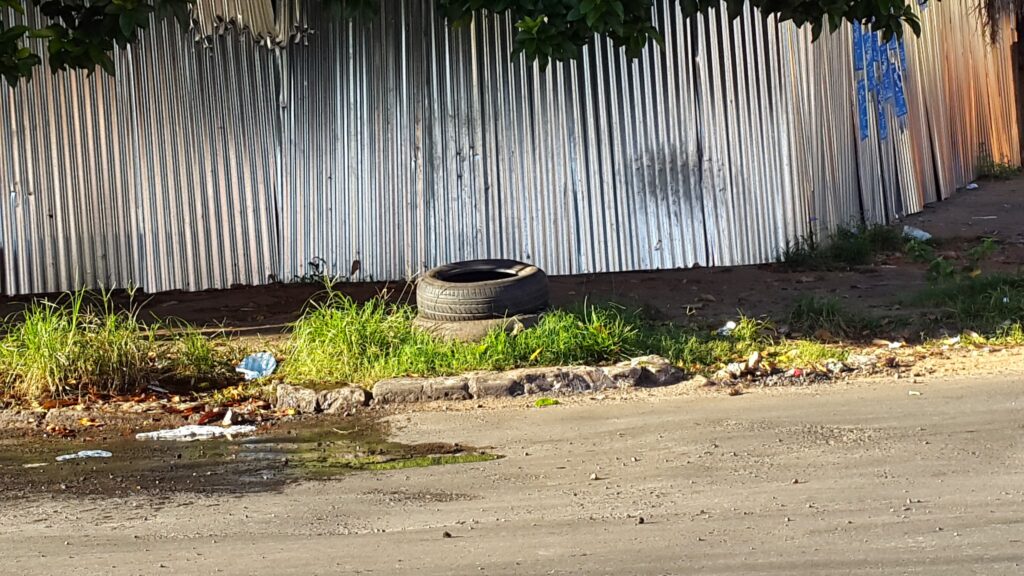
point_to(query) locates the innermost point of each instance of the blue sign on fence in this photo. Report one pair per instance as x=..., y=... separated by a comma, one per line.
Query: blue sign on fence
x=887, y=84
x=883, y=122
x=899, y=94
x=862, y=108
x=858, y=47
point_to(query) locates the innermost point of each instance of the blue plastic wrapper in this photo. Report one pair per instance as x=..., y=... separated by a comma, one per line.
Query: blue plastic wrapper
x=259, y=365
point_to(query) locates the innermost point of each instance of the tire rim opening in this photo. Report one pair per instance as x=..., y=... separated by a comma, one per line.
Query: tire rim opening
x=470, y=276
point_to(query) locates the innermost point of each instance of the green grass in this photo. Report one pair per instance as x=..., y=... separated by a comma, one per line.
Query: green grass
x=340, y=342
x=378, y=463
x=812, y=314
x=68, y=347
x=804, y=353
x=985, y=304
x=845, y=247
x=82, y=344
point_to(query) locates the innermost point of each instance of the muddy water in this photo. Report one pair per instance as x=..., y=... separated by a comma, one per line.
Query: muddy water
x=289, y=452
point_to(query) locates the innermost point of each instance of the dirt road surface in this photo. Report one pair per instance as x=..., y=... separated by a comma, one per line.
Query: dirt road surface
x=858, y=479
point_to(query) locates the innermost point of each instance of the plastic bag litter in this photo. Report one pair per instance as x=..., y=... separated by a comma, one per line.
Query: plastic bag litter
x=916, y=233
x=972, y=186
x=194, y=432
x=84, y=454
x=727, y=329
x=259, y=365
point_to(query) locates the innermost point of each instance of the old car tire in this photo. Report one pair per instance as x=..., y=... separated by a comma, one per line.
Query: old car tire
x=481, y=290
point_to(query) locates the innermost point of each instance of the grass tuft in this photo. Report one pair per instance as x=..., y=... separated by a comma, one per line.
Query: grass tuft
x=991, y=305
x=68, y=347
x=845, y=247
x=813, y=314
x=991, y=169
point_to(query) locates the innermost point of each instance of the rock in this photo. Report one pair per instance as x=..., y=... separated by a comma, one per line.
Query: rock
x=698, y=381
x=835, y=366
x=736, y=369
x=723, y=375
x=399, y=390
x=658, y=371
x=565, y=379
x=342, y=399
x=754, y=362
x=861, y=361
x=302, y=400
x=493, y=385
x=626, y=374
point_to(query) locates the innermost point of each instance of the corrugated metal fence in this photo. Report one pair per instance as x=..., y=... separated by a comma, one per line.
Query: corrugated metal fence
x=400, y=143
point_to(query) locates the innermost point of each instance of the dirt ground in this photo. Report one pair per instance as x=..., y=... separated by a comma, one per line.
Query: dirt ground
x=866, y=478
x=913, y=472
x=704, y=296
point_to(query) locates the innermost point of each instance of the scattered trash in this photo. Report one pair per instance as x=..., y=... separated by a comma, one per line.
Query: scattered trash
x=953, y=340
x=542, y=402
x=156, y=388
x=594, y=476
x=972, y=186
x=446, y=534
x=193, y=432
x=914, y=393
x=727, y=329
x=984, y=217
x=895, y=345
x=84, y=454
x=35, y=465
x=259, y=365
x=916, y=233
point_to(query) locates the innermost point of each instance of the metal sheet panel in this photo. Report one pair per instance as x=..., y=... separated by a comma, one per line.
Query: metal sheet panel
x=377, y=149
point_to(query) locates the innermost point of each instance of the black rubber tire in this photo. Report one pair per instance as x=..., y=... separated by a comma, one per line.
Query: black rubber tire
x=518, y=289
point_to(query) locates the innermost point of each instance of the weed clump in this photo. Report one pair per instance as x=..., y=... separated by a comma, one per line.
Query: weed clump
x=991, y=169
x=63, y=348
x=816, y=314
x=845, y=247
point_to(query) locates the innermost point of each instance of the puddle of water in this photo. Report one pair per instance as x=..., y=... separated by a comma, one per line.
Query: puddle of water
x=290, y=452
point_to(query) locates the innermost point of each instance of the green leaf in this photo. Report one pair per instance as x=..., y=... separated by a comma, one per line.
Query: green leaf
x=127, y=22
x=12, y=34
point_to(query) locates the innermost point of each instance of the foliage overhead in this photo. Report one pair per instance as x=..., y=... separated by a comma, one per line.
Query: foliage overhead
x=82, y=34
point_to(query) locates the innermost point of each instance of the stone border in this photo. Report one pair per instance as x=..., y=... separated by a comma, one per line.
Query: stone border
x=646, y=371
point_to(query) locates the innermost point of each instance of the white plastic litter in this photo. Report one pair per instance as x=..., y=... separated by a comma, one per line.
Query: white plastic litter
x=259, y=365
x=727, y=329
x=972, y=186
x=916, y=233
x=84, y=454
x=193, y=432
